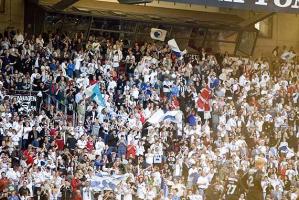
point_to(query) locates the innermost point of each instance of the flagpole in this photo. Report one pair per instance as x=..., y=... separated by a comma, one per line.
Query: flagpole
x=183, y=121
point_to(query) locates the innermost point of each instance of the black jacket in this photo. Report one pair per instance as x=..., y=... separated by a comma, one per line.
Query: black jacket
x=66, y=192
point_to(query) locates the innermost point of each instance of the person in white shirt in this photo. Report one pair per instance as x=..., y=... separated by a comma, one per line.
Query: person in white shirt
x=27, y=129
x=19, y=37
x=39, y=40
x=99, y=146
x=135, y=92
x=202, y=183
x=149, y=157
x=140, y=149
x=116, y=59
x=141, y=190
x=78, y=61
x=81, y=143
x=192, y=171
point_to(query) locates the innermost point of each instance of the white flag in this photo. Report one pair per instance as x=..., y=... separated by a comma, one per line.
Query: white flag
x=288, y=55
x=156, y=117
x=158, y=34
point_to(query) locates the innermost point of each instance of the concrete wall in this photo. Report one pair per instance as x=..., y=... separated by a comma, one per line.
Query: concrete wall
x=17, y=15
x=285, y=32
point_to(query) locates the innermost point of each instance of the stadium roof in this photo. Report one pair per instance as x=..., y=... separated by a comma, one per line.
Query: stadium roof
x=158, y=11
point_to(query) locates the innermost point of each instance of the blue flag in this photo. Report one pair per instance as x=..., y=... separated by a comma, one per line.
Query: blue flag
x=97, y=96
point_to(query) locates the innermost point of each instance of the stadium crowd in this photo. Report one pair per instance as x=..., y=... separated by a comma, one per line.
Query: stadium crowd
x=236, y=111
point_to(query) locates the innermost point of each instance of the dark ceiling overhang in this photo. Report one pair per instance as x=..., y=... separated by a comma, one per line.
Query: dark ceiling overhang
x=63, y=4
x=105, y=9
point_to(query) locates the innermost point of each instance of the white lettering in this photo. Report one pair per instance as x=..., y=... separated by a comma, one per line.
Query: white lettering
x=286, y=4
x=261, y=2
x=295, y=4
x=26, y=98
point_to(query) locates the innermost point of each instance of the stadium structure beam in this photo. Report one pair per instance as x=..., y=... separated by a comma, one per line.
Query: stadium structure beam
x=255, y=19
x=63, y=4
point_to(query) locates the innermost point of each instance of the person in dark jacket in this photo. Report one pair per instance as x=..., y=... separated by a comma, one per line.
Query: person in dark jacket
x=71, y=143
x=66, y=191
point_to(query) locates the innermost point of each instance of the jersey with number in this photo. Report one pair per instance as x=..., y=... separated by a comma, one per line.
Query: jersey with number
x=232, y=189
x=255, y=190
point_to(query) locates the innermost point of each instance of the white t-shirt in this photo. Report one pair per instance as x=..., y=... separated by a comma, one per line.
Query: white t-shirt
x=139, y=150
x=141, y=190
x=149, y=158
x=81, y=144
x=203, y=182
x=26, y=132
x=99, y=146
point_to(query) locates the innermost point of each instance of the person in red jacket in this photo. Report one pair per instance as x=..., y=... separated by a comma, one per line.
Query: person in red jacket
x=77, y=195
x=89, y=144
x=131, y=150
x=75, y=183
x=4, y=182
x=29, y=155
x=59, y=141
x=93, y=80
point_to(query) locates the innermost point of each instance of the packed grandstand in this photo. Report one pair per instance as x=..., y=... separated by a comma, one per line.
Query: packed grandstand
x=95, y=119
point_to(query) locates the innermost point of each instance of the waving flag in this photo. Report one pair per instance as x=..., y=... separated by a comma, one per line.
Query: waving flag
x=158, y=34
x=175, y=116
x=287, y=56
x=156, y=117
x=175, y=48
x=203, y=102
x=94, y=93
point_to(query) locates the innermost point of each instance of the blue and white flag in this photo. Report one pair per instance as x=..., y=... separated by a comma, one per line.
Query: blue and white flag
x=175, y=48
x=94, y=93
x=175, y=116
x=156, y=117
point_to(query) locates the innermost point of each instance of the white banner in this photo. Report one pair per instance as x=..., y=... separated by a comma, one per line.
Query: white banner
x=101, y=182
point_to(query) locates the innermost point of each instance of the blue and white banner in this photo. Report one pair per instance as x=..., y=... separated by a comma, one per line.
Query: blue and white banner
x=175, y=116
x=101, y=182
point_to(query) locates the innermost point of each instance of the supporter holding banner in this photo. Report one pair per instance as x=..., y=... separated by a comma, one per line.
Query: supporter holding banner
x=26, y=103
